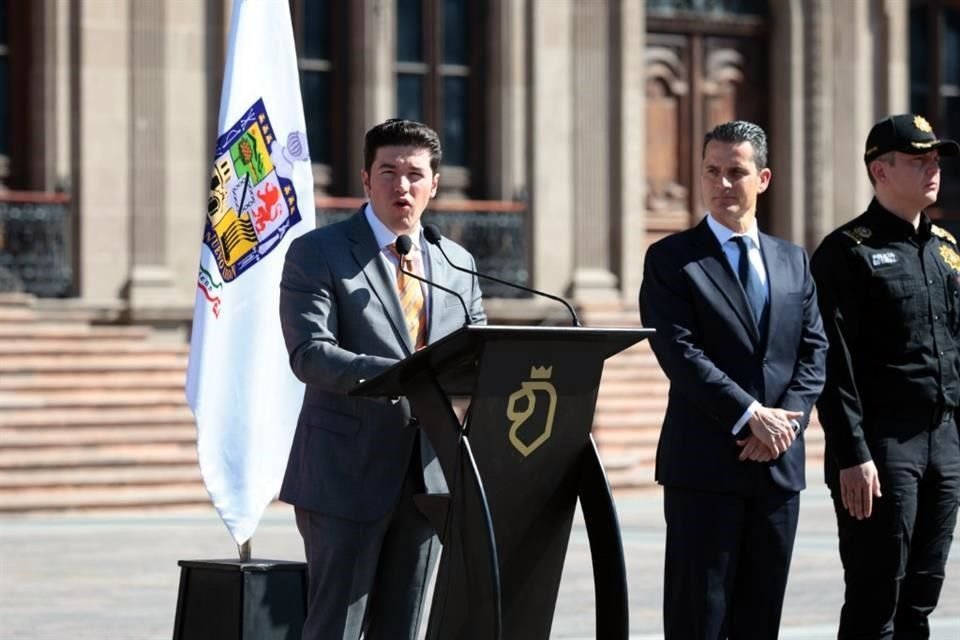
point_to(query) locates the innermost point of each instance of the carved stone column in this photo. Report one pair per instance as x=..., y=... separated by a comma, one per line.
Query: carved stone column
x=592, y=274
x=149, y=152
x=893, y=56
x=189, y=27
x=628, y=195
x=372, y=76
x=548, y=136
x=507, y=101
x=788, y=133
x=855, y=73
x=101, y=141
x=46, y=144
x=819, y=84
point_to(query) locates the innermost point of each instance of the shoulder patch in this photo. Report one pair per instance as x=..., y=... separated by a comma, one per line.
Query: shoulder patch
x=858, y=234
x=942, y=233
x=950, y=258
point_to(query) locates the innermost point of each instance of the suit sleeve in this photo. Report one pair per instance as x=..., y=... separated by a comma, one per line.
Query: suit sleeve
x=841, y=293
x=808, y=374
x=666, y=305
x=308, y=318
x=477, y=314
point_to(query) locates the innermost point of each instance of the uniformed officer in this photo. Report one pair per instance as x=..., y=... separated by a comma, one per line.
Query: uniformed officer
x=889, y=291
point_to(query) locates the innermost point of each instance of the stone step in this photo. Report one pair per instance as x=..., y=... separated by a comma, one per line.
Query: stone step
x=94, y=345
x=83, y=363
x=648, y=391
x=91, y=498
x=636, y=420
x=66, y=457
x=63, y=330
x=102, y=416
x=16, y=314
x=74, y=436
x=46, y=382
x=101, y=476
x=15, y=299
x=632, y=374
x=641, y=436
x=64, y=398
x=638, y=402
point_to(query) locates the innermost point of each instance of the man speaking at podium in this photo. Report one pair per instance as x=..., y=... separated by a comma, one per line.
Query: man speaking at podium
x=349, y=312
x=740, y=338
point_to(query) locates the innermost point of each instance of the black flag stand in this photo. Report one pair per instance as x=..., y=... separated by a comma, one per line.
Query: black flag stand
x=242, y=599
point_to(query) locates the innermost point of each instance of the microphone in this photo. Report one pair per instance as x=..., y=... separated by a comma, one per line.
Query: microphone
x=432, y=233
x=404, y=244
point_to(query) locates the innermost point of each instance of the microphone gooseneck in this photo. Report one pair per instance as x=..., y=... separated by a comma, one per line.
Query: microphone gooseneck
x=404, y=244
x=432, y=234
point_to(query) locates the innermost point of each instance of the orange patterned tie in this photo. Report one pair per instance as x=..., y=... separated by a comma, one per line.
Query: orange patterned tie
x=411, y=299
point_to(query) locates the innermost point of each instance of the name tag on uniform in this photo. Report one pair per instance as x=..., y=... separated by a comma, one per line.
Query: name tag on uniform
x=888, y=257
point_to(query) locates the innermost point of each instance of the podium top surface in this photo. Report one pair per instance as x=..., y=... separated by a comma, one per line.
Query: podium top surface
x=453, y=358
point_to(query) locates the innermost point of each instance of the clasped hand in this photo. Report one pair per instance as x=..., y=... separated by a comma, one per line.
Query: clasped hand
x=771, y=434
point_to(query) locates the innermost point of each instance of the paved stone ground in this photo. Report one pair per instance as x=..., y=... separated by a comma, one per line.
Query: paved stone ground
x=115, y=577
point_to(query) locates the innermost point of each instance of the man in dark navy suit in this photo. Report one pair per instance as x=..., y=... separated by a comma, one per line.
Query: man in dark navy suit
x=740, y=338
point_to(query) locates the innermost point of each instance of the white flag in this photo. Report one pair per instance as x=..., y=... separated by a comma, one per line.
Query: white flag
x=239, y=384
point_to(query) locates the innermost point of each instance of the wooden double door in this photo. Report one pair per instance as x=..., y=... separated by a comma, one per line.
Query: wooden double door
x=700, y=72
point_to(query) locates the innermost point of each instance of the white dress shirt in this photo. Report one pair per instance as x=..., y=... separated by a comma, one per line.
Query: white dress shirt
x=385, y=237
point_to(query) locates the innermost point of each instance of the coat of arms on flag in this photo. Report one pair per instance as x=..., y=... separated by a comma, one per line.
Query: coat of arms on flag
x=252, y=202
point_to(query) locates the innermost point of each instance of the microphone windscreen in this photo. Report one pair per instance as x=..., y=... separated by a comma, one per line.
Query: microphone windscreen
x=432, y=233
x=404, y=244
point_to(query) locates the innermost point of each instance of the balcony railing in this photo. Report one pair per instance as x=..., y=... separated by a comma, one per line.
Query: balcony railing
x=36, y=239
x=36, y=243
x=496, y=232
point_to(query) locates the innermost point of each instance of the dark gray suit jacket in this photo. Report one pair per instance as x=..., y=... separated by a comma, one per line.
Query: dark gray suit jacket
x=711, y=349
x=342, y=322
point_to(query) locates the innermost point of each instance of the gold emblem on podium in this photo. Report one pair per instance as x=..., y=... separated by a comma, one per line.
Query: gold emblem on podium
x=539, y=382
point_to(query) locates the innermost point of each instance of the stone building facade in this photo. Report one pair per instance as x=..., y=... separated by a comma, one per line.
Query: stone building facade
x=586, y=116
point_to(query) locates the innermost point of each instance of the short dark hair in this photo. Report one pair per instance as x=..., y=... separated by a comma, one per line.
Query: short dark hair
x=401, y=133
x=739, y=131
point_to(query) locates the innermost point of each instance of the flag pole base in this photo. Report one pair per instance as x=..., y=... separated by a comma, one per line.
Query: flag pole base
x=252, y=600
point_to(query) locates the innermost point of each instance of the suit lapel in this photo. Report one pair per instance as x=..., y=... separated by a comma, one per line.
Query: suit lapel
x=381, y=281
x=715, y=264
x=438, y=273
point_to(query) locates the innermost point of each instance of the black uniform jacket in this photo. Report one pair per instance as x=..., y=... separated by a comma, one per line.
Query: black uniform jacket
x=890, y=300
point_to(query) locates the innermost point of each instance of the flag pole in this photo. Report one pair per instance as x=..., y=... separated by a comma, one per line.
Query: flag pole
x=245, y=550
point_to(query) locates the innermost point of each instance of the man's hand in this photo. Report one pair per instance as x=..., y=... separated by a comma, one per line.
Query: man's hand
x=754, y=450
x=859, y=485
x=773, y=429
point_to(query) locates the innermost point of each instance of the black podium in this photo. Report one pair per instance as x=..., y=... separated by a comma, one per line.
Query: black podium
x=514, y=469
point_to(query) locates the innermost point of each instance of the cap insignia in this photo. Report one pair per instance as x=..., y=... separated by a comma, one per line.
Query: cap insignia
x=940, y=232
x=921, y=123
